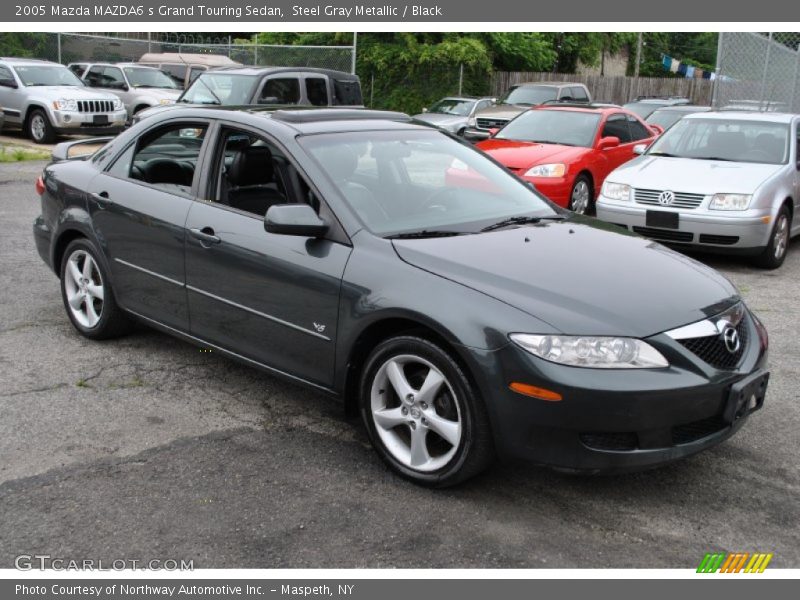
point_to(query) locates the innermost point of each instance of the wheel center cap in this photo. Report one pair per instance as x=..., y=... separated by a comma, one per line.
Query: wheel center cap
x=415, y=413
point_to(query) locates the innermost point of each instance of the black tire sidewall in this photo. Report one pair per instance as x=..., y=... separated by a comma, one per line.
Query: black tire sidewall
x=49, y=135
x=468, y=405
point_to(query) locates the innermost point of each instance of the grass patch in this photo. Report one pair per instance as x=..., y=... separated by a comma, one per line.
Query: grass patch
x=18, y=154
x=82, y=383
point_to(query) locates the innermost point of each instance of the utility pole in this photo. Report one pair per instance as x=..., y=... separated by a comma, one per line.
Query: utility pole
x=638, y=55
x=355, y=48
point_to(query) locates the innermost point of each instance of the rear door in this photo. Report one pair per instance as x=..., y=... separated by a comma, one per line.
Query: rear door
x=10, y=97
x=139, y=206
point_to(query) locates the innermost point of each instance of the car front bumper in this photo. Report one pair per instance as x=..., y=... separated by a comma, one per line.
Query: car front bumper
x=719, y=231
x=68, y=122
x=616, y=420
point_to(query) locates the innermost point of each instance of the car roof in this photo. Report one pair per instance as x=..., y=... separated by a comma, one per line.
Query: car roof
x=266, y=70
x=744, y=115
x=588, y=108
x=29, y=61
x=117, y=64
x=690, y=108
x=549, y=84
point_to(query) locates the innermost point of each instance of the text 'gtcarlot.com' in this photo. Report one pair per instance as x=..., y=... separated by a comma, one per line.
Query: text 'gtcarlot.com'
x=31, y=562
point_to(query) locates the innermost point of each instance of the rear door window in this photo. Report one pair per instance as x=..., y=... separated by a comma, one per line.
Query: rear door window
x=317, y=91
x=579, y=94
x=280, y=90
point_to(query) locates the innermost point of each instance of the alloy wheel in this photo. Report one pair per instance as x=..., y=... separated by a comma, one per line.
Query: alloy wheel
x=416, y=413
x=84, y=288
x=38, y=127
x=579, y=200
x=781, y=236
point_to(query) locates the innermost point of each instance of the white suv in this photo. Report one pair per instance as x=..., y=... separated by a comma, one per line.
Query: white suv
x=720, y=181
x=45, y=99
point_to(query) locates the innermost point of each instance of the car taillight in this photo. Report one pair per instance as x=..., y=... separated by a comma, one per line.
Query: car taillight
x=40, y=185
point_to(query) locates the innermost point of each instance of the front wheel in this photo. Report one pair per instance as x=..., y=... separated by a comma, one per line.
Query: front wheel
x=774, y=253
x=423, y=416
x=581, y=198
x=39, y=128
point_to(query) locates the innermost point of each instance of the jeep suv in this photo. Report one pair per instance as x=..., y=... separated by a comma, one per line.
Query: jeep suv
x=521, y=97
x=138, y=86
x=45, y=99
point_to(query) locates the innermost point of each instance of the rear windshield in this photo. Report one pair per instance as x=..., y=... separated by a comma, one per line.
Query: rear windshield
x=347, y=92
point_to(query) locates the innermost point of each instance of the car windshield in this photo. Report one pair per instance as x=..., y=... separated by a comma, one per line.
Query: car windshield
x=220, y=88
x=422, y=183
x=565, y=127
x=141, y=77
x=642, y=109
x=725, y=139
x=530, y=95
x=452, y=106
x=47, y=75
x=665, y=118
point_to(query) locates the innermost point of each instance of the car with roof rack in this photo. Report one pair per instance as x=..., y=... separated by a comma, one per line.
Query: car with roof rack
x=461, y=318
x=46, y=99
x=566, y=150
x=726, y=182
x=138, y=86
x=268, y=86
x=519, y=98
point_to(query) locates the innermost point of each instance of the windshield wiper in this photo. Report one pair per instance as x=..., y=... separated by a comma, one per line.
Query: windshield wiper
x=714, y=158
x=667, y=154
x=210, y=91
x=551, y=142
x=425, y=233
x=521, y=220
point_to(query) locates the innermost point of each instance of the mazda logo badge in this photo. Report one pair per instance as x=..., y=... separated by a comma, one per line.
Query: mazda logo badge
x=666, y=198
x=731, y=338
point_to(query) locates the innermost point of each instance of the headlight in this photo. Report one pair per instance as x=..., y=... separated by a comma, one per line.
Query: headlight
x=730, y=202
x=616, y=191
x=166, y=101
x=471, y=122
x=64, y=104
x=118, y=104
x=553, y=170
x=591, y=351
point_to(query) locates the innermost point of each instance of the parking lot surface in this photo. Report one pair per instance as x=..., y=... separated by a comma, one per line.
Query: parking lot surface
x=147, y=448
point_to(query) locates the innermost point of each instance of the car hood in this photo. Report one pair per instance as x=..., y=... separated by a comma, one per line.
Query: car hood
x=502, y=111
x=441, y=120
x=521, y=155
x=580, y=276
x=71, y=92
x=163, y=93
x=694, y=176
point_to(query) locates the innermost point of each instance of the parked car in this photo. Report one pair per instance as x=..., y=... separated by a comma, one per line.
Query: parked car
x=182, y=67
x=45, y=99
x=719, y=181
x=520, y=98
x=269, y=86
x=567, y=151
x=454, y=113
x=669, y=115
x=644, y=106
x=329, y=247
x=138, y=86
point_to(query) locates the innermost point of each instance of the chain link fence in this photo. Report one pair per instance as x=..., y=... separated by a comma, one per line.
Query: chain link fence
x=80, y=47
x=759, y=71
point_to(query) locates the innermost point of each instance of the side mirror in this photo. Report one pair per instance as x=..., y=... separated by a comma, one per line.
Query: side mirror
x=640, y=148
x=608, y=142
x=294, y=219
x=9, y=83
x=493, y=131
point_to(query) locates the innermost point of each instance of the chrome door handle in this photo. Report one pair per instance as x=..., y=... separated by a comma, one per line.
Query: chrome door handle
x=205, y=235
x=102, y=197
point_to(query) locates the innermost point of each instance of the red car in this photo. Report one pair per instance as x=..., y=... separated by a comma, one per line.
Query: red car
x=567, y=151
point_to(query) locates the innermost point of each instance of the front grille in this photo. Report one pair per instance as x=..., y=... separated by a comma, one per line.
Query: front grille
x=682, y=199
x=712, y=350
x=697, y=430
x=95, y=106
x=490, y=122
x=722, y=240
x=619, y=441
x=668, y=235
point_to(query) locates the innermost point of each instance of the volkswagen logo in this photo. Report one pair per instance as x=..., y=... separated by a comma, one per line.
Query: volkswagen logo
x=666, y=198
x=731, y=338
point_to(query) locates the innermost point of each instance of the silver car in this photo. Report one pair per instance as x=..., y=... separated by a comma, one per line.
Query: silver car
x=454, y=113
x=45, y=99
x=719, y=181
x=138, y=86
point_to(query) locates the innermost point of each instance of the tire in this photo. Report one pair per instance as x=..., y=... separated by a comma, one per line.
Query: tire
x=581, y=196
x=436, y=437
x=774, y=252
x=39, y=128
x=87, y=294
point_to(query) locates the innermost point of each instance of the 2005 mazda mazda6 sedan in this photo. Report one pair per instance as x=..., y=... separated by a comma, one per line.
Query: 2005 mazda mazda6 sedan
x=459, y=312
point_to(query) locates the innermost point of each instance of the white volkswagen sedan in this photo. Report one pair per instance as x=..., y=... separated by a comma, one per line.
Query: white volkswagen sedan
x=722, y=181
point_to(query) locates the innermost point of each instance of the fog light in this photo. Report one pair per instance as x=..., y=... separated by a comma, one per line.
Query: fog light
x=534, y=392
x=67, y=118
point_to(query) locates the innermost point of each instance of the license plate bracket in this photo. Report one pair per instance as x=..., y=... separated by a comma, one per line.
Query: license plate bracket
x=100, y=119
x=746, y=396
x=662, y=219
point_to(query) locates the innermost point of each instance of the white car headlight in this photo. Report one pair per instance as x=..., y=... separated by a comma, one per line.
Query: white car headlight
x=592, y=351
x=118, y=104
x=616, y=191
x=65, y=104
x=730, y=202
x=551, y=170
x=471, y=122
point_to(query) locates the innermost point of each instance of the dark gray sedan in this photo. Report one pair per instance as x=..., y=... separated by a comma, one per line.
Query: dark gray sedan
x=459, y=312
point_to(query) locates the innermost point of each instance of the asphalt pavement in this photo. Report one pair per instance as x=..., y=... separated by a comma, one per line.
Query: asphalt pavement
x=147, y=448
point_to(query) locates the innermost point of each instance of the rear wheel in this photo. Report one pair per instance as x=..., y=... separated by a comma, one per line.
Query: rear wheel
x=774, y=253
x=39, y=128
x=581, y=198
x=422, y=414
